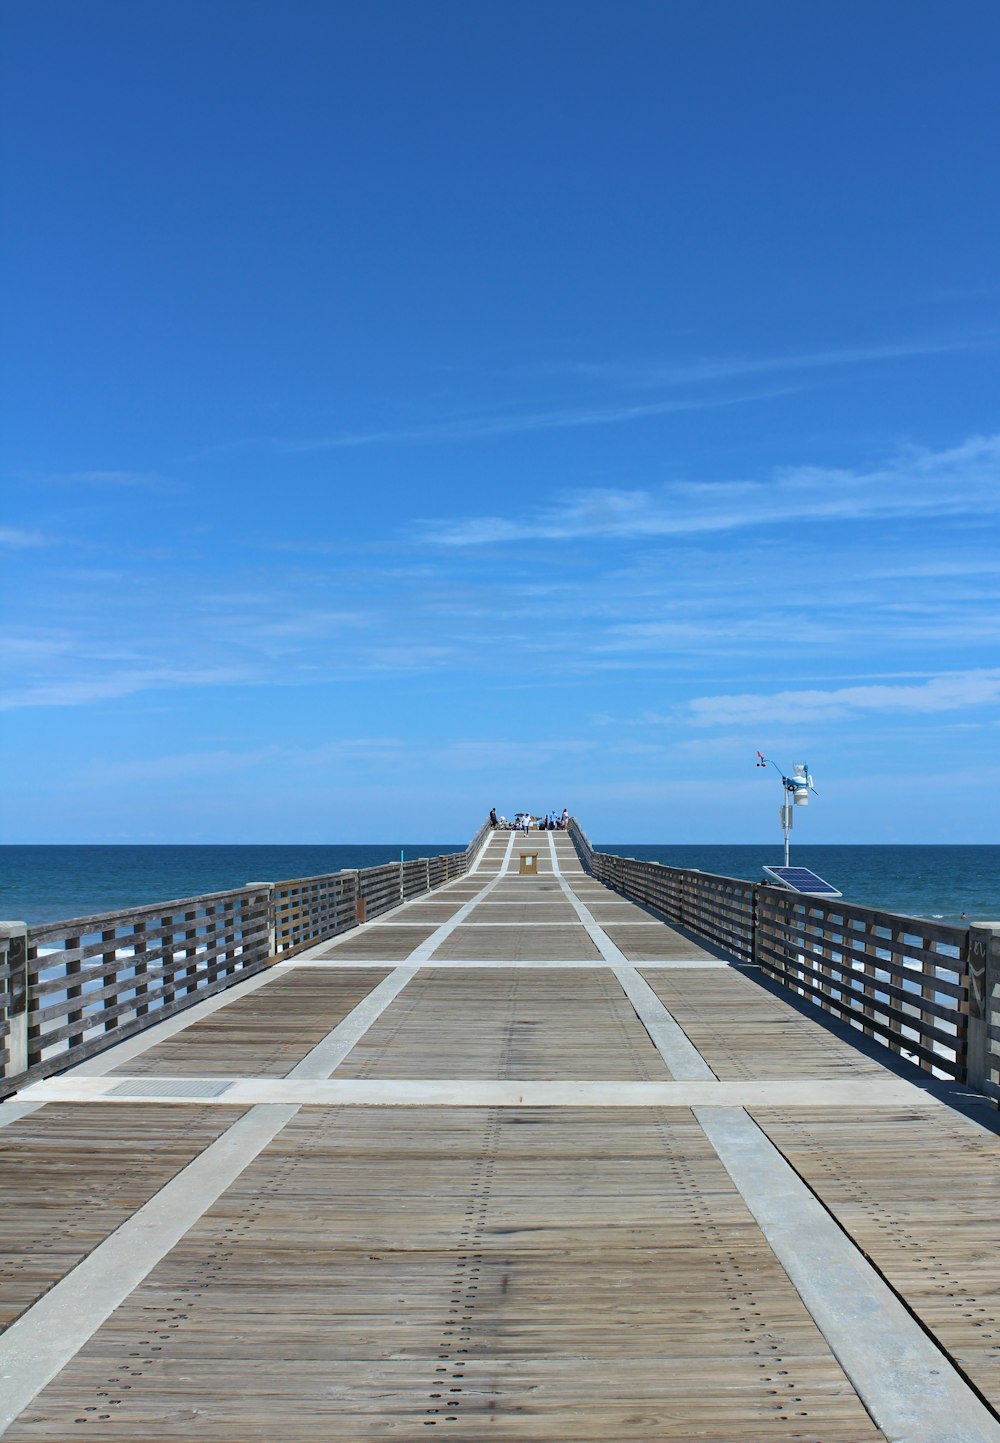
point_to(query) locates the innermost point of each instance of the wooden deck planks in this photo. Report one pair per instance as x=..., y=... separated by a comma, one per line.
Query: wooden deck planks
x=379, y=943
x=71, y=1176
x=263, y=1035
x=919, y=1193
x=513, y=944
x=609, y=910
x=417, y=913
x=647, y=944
x=526, y=1275
x=742, y=1031
x=527, y=1025
x=526, y=913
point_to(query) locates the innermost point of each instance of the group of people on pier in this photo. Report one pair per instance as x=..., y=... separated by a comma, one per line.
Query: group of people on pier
x=524, y=821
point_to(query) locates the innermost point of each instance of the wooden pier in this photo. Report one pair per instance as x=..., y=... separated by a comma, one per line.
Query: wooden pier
x=515, y=1159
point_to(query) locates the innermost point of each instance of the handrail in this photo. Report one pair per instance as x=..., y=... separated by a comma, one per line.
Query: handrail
x=927, y=990
x=69, y=989
x=472, y=850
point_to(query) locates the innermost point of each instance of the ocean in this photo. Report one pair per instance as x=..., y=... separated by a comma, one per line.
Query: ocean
x=945, y=882
x=50, y=883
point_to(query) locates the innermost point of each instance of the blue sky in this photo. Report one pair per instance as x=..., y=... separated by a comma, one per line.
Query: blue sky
x=409, y=408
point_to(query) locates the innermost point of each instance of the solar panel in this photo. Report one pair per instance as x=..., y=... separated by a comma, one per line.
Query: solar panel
x=800, y=879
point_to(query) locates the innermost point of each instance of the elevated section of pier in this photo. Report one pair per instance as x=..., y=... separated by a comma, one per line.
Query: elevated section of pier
x=515, y=1158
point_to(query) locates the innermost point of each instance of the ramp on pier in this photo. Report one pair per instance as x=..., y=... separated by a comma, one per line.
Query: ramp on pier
x=515, y=1161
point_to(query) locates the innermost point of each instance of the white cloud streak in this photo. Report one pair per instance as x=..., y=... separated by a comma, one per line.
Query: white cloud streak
x=485, y=427
x=638, y=376
x=84, y=691
x=707, y=369
x=956, y=691
x=962, y=481
x=116, y=480
x=17, y=539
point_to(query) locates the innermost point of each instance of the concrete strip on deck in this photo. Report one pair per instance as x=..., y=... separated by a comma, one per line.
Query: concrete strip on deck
x=472, y=1092
x=908, y=1385
x=681, y=1057
x=657, y=963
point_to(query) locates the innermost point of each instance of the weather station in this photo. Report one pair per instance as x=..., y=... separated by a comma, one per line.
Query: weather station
x=796, y=794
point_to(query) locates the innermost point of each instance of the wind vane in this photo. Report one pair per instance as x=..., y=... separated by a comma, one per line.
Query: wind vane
x=797, y=788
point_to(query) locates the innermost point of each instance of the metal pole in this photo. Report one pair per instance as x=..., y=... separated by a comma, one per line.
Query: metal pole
x=786, y=819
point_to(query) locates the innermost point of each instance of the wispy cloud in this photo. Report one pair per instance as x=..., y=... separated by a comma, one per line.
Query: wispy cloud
x=309, y=625
x=84, y=691
x=273, y=758
x=489, y=425
x=28, y=650
x=410, y=657
x=183, y=765
x=17, y=539
x=698, y=370
x=484, y=427
x=959, y=481
x=371, y=755
x=508, y=754
x=262, y=621
x=956, y=691
x=667, y=376
x=112, y=479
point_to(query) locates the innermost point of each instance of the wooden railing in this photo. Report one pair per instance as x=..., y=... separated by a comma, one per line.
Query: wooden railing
x=307, y=910
x=82, y=980
x=70, y=989
x=924, y=989
x=479, y=840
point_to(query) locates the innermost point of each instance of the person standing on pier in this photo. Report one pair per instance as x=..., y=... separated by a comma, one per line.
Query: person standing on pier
x=493, y=818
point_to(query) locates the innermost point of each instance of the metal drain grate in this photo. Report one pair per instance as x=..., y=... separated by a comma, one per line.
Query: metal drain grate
x=180, y=1087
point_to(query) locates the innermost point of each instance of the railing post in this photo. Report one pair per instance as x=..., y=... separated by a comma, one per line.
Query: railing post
x=73, y=990
x=14, y=951
x=352, y=882
x=272, y=940
x=868, y=986
x=190, y=969
x=167, y=958
x=983, y=963
x=109, y=969
x=224, y=964
x=141, y=968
